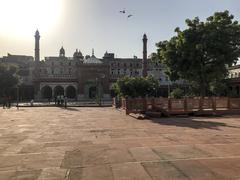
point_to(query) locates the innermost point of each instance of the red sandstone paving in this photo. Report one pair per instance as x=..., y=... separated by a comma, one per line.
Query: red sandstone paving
x=105, y=144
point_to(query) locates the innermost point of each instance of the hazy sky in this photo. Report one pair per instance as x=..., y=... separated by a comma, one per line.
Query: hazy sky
x=87, y=24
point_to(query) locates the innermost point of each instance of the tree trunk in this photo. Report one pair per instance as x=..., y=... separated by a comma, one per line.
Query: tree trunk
x=203, y=84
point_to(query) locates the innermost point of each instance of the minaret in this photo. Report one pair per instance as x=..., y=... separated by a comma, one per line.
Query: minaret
x=144, y=61
x=37, y=50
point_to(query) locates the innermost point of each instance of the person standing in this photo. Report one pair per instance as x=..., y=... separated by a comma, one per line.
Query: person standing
x=4, y=102
x=62, y=100
x=58, y=100
x=32, y=101
x=9, y=102
x=49, y=100
x=65, y=102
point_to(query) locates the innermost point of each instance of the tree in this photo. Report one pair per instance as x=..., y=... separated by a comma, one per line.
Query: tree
x=201, y=53
x=8, y=78
x=177, y=93
x=136, y=87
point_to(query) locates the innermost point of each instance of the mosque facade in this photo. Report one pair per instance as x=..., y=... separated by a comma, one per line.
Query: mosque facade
x=87, y=77
x=76, y=77
x=81, y=77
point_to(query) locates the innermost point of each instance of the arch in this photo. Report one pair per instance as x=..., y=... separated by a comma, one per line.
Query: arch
x=71, y=92
x=46, y=92
x=237, y=90
x=58, y=91
x=92, y=92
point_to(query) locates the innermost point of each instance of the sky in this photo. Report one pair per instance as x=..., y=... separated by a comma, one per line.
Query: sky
x=87, y=24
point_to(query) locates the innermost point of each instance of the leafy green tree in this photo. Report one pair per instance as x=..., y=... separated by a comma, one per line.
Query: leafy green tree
x=177, y=93
x=136, y=87
x=8, y=78
x=218, y=88
x=201, y=53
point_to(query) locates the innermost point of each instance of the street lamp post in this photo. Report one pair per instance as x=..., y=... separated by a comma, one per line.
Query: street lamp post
x=18, y=87
x=17, y=96
x=99, y=98
x=97, y=93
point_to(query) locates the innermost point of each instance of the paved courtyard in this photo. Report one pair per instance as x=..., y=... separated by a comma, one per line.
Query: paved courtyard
x=104, y=144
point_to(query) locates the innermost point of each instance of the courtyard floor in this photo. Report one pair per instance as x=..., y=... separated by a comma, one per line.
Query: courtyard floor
x=104, y=144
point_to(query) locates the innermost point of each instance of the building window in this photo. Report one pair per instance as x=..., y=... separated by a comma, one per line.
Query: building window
x=130, y=64
x=125, y=65
x=118, y=71
x=69, y=63
x=118, y=64
x=61, y=63
x=52, y=63
x=112, y=70
x=69, y=70
x=52, y=71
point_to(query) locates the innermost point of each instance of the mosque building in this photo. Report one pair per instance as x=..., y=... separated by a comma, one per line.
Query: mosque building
x=82, y=77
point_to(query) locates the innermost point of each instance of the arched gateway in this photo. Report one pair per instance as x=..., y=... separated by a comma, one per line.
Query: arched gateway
x=58, y=91
x=52, y=90
x=71, y=92
x=46, y=92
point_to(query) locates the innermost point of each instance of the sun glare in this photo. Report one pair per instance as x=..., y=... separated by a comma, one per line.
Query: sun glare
x=19, y=18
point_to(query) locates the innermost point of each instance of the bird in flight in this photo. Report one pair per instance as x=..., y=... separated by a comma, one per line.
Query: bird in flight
x=130, y=15
x=123, y=11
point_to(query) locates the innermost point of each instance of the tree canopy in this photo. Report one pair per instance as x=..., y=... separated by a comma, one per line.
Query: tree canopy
x=136, y=87
x=8, y=78
x=202, y=52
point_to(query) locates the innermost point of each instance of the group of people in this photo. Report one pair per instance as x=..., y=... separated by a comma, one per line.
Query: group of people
x=7, y=102
x=61, y=100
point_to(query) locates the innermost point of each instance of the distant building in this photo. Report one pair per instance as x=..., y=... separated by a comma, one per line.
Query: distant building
x=88, y=77
x=76, y=77
x=20, y=60
x=234, y=79
x=132, y=67
x=82, y=78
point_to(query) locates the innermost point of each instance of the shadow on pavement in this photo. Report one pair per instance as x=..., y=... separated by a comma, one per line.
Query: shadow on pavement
x=69, y=108
x=191, y=123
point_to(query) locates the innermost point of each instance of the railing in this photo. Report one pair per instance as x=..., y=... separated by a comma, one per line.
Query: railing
x=57, y=76
x=179, y=106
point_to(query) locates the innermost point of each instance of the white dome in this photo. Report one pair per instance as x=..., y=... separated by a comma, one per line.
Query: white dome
x=92, y=60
